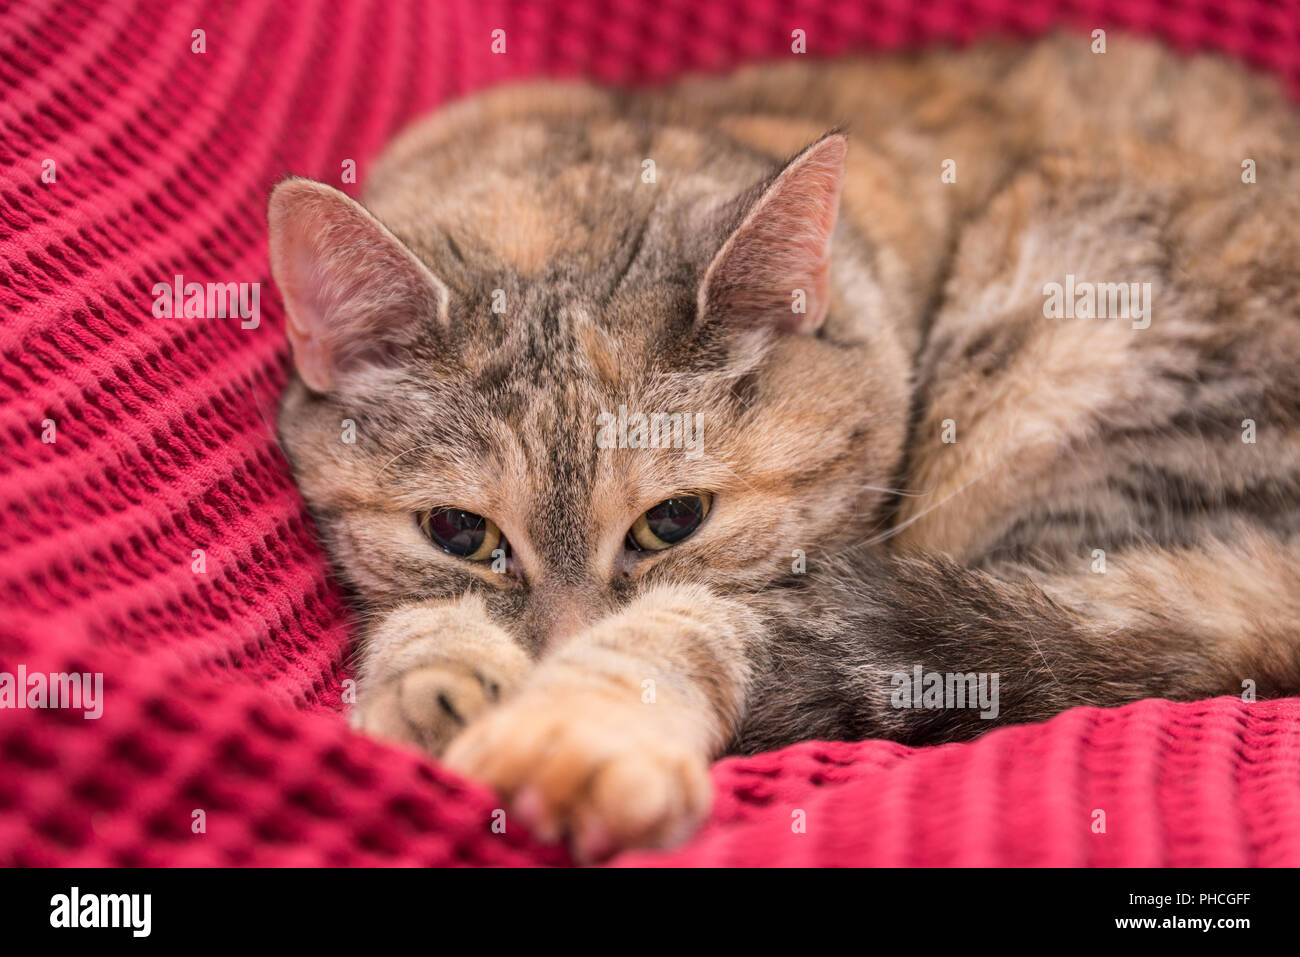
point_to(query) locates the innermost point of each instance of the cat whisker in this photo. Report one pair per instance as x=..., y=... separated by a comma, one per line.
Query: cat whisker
x=1038, y=648
x=383, y=468
x=894, y=491
x=729, y=469
x=891, y=532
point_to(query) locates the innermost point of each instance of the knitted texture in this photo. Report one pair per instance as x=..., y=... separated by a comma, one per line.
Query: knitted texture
x=159, y=539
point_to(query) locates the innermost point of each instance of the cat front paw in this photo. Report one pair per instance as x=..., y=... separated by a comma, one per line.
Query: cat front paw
x=426, y=706
x=599, y=772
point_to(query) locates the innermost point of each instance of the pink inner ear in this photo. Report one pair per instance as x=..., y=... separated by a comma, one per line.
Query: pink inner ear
x=348, y=284
x=783, y=245
x=305, y=321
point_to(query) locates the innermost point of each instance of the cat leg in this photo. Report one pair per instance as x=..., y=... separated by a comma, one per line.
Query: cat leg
x=610, y=740
x=428, y=668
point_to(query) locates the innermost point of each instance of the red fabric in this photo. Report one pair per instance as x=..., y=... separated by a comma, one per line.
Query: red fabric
x=222, y=688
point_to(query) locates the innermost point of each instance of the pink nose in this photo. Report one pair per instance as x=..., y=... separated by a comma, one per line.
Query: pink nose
x=561, y=613
x=565, y=626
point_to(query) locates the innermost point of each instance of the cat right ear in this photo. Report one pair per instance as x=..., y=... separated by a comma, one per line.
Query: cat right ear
x=774, y=268
x=353, y=293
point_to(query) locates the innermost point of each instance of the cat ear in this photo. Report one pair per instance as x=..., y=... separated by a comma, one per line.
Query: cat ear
x=352, y=292
x=775, y=267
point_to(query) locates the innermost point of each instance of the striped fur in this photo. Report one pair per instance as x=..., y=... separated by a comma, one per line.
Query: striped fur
x=1098, y=532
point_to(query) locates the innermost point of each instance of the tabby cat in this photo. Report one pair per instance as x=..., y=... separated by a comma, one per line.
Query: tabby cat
x=649, y=426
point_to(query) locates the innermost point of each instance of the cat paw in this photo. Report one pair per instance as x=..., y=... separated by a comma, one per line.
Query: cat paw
x=426, y=706
x=603, y=775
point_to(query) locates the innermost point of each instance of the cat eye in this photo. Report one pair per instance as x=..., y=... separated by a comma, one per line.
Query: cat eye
x=669, y=522
x=461, y=533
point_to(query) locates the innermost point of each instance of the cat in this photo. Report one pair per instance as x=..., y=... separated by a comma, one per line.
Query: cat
x=917, y=469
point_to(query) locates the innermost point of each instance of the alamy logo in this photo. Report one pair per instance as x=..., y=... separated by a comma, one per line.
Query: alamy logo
x=77, y=691
x=133, y=911
x=654, y=430
x=212, y=300
x=936, y=690
x=1098, y=300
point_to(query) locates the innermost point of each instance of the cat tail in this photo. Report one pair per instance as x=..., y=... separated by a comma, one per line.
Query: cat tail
x=924, y=650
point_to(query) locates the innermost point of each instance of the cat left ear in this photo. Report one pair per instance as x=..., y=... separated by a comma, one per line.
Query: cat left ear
x=775, y=267
x=353, y=293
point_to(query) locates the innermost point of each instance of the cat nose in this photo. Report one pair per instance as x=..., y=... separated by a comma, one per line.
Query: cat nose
x=562, y=612
x=564, y=626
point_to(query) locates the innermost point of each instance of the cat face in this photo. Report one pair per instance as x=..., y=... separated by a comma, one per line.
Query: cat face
x=556, y=420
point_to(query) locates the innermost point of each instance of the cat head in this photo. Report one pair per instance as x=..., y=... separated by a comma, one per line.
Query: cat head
x=553, y=382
